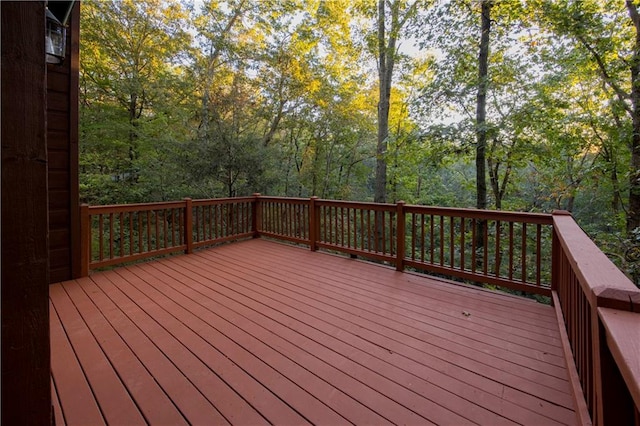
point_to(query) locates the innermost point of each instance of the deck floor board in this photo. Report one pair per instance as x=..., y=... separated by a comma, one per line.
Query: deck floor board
x=261, y=332
x=409, y=310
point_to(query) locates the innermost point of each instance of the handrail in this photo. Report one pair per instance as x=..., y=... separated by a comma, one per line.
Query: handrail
x=589, y=290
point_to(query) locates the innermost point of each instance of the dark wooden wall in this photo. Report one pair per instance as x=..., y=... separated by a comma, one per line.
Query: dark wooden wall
x=26, y=388
x=62, y=150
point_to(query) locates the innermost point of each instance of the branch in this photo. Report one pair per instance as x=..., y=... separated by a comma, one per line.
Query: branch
x=622, y=95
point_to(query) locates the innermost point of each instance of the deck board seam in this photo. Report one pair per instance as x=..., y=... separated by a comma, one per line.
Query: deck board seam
x=417, y=377
x=451, y=286
x=300, y=347
x=359, y=277
x=228, y=337
x=504, y=357
x=135, y=352
x=375, y=299
x=177, y=339
x=81, y=365
x=176, y=259
x=258, y=339
x=108, y=356
x=317, y=337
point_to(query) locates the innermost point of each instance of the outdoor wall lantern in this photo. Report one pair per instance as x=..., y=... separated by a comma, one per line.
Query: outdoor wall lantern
x=56, y=31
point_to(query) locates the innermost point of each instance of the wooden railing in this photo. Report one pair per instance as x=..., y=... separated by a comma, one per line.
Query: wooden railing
x=537, y=253
x=219, y=220
x=119, y=234
x=600, y=309
x=508, y=249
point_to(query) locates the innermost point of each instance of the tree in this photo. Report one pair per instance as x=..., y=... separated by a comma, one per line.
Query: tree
x=390, y=25
x=131, y=90
x=607, y=41
x=481, y=104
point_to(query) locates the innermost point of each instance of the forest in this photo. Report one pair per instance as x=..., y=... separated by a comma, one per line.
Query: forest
x=526, y=105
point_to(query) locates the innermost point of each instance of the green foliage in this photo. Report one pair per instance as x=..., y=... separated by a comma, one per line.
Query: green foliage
x=280, y=97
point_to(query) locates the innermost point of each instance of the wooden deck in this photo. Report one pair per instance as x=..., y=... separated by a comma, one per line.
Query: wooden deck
x=259, y=332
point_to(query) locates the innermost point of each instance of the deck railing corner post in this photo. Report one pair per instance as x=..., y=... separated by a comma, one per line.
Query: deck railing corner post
x=256, y=216
x=314, y=223
x=85, y=240
x=188, y=225
x=400, y=235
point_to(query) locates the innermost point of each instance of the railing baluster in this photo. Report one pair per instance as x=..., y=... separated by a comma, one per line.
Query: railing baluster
x=349, y=227
x=413, y=236
x=423, y=237
x=173, y=227
x=510, y=251
x=362, y=231
x=524, y=252
x=538, y=253
x=140, y=233
x=181, y=215
x=157, y=236
x=369, y=232
x=111, y=235
x=451, y=242
x=130, y=233
x=165, y=228
x=341, y=226
x=462, y=243
x=497, y=248
x=148, y=230
x=121, y=229
x=485, y=256
x=100, y=235
x=474, y=249
x=441, y=240
x=432, y=237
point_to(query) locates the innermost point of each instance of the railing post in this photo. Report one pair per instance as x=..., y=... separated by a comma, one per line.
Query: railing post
x=556, y=252
x=400, y=234
x=85, y=240
x=314, y=223
x=188, y=225
x=256, y=216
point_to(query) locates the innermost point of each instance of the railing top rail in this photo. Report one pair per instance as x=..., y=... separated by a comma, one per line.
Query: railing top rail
x=507, y=216
x=290, y=200
x=117, y=208
x=357, y=204
x=602, y=282
x=213, y=201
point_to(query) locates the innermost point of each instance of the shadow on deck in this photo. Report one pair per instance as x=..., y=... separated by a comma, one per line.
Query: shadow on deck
x=261, y=332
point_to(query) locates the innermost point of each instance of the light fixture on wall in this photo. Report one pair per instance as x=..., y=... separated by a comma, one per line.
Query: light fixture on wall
x=56, y=31
x=55, y=39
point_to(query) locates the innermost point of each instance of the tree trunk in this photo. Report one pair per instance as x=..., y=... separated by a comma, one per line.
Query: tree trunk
x=494, y=169
x=481, y=125
x=385, y=69
x=633, y=213
x=616, y=201
x=481, y=113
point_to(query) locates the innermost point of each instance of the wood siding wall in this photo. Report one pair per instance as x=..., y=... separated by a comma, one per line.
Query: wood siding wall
x=26, y=390
x=62, y=150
